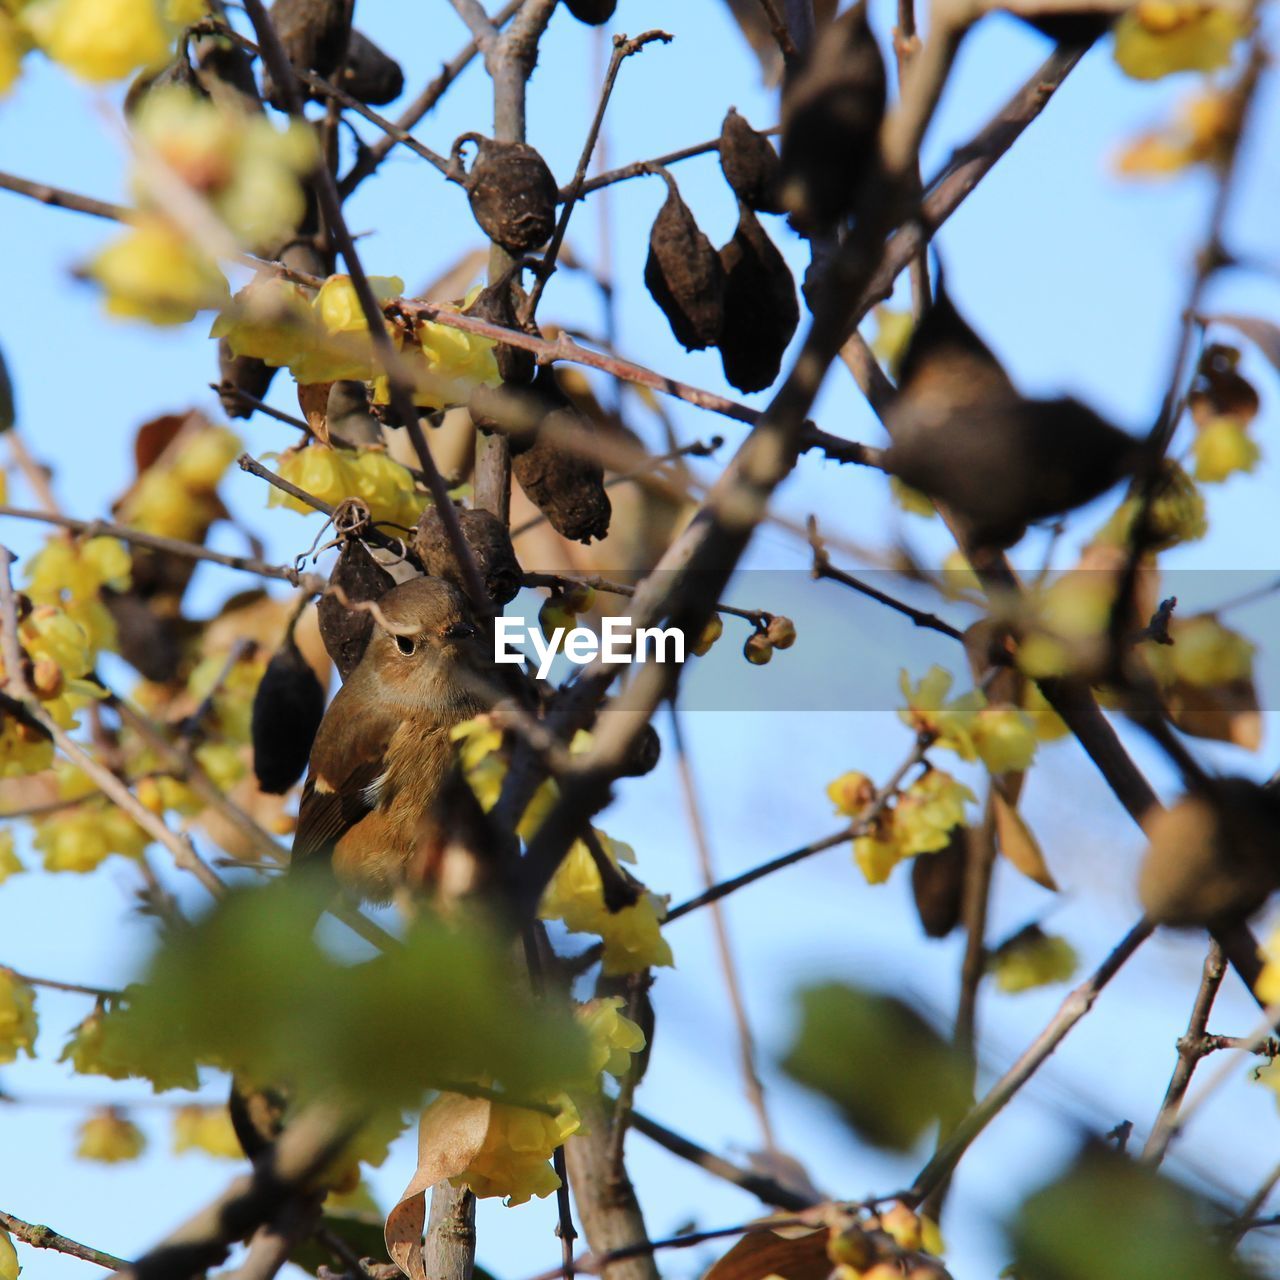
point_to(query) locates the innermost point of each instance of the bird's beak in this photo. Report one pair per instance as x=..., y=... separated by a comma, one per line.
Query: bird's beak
x=461, y=631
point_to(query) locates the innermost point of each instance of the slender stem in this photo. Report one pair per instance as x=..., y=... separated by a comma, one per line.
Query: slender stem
x=766, y=1189
x=648, y=168
x=60, y=199
x=39, y=1237
x=1190, y=1050
x=55, y=984
x=706, y=865
x=1074, y=1007
x=622, y=49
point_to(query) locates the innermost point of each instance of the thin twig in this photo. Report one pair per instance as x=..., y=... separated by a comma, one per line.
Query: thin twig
x=623, y=48
x=746, y=1046
x=55, y=984
x=39, y=1237
x=1190, y=1051
x=1073, y=1008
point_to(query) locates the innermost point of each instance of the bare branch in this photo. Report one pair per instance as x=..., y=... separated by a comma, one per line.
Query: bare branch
x=47, y=1238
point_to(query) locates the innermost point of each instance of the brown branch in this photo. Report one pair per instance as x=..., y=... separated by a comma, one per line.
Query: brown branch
x=402, y=406
x=648, y=168
x=39, y=1237
x=746, y=1045
x=60, y=199
x=765, y=1189
x=623, y=48
x=170, y=546
x=54, y=984
x=1191, y=1049
x=370, y=157
x=1073, y=1008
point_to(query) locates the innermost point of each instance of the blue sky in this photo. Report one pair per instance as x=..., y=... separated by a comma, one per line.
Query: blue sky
x=1075, y=279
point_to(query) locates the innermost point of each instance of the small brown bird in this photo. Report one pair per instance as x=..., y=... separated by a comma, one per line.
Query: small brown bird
x=383, y=751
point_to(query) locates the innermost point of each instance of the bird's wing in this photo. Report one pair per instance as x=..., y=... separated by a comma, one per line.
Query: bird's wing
x=342, y=783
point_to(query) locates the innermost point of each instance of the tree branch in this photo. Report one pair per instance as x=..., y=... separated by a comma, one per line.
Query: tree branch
x=39, y=1237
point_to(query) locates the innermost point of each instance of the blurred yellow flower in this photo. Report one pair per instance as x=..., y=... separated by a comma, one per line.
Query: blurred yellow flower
x=17, y=1017
x=927, y=711
x=851, y=793
x=1158, y=37
x=613, y=1037
x=1223, y=447
x=930, y=808
x=10, y=863
x=99, y=40
x=207, y=1129
x=108, y=1137
x=1032, y=959
x=1005, y=738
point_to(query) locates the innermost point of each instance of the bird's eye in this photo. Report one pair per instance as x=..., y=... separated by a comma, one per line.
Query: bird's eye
x=406, y=645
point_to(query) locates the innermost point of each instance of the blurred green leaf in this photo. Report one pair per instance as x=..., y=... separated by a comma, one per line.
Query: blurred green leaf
x=1108, y=1218
x=887, y=1070
x=250, y=989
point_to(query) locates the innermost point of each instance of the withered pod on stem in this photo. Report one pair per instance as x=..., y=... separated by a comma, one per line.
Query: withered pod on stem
x=490, y=544
x=594, y=13
x=494, y=304
x=760, y=308
x=832, y=106
x=683, y=273
x=750, y=165
x=371, y=76
x=314, y=34
x=287, y=709
x=513, y=194
x=346, y=632
x=241, y=373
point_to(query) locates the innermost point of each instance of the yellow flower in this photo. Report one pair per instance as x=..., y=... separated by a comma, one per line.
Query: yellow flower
x=447, y=366
x=17, y=1017
x=1202, y=132
x=99, y=40
x=9, y=1267
x=233, y=698
x=81, y=838
x=153, y=272
x=1158, y=37
x=23, y=750
x=851, y=793
x=13, y=45
x=928, y=812
x=1206, y=654
x=68, y=569
x=1177, y=515
x=161, y=503
x=1005, y=738
x=1048, y=724
x=910, y=500
x=386, y=487
x=1032, y=959
x=203, y=459
x=271, y=319
x=339, y=308
x=207, y=1129
x=877, y=852
x=613, y=1038
x=893, y=333
x=928, y=712
x=513, y=1162
x=323, y=472
x=1267, y=987
x=108, y=1137
x=10, y=863
x=1222, y=447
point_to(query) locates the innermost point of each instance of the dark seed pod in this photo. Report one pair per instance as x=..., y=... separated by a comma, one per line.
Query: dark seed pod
x=964, y=435
x=594, y=13
x=937, y=885
x=760, y=308
x=490, y=544
x=494, y=304
x=644, y=755
x=750, y=165
x=314, y=34
x=148, y=640
x=225, y=73
x=241, y=373
x=513, y=194
x=832, y=106
x=287, y=709
x=346, y=632
x=684, y=275
x=370, y=75
x=178, y=72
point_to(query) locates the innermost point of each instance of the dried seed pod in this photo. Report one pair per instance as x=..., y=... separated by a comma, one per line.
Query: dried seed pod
x=760, y=308
x=683, y=273
x=750, y=165
x=287, y=709
x=148, y=639
x=346, y=632
x=781, y=631
x=177, y=72
x=490, y=543
x=225, y=72
x=494, y=303
x=937, y=885
x=964, y=435
x=314, y=34
x=832, y=105
x=241, y=373
x=1213, y=857
x=594, y=13
x=513, y=194
x=370, y=75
